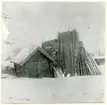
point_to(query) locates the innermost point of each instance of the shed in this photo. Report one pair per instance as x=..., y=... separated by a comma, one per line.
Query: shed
x=100, y=60
x=34, y=62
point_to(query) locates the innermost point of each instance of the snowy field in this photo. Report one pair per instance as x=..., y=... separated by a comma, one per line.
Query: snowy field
x=59, y=90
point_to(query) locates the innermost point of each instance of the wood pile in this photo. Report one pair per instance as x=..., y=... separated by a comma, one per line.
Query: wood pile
x=69, y=53
x=72, y=56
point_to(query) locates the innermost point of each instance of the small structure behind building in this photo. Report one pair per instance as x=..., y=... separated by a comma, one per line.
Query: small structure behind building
x=100, y=60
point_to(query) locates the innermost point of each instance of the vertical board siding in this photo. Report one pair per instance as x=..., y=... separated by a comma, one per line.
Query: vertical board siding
x=68, y=51
x=73, y=57
x=36, y=66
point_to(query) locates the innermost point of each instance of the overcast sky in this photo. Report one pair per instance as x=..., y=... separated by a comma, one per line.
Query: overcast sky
x=36, y=22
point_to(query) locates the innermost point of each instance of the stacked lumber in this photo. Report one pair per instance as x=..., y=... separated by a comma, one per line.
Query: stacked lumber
x=86, y=65
x=72, y=56
x=68, y=51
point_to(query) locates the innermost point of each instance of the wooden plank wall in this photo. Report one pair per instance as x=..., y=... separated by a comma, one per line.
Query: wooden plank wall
x=72, y=56
x=67, y=50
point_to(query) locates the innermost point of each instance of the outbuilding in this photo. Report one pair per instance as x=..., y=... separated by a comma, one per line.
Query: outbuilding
x=34, y=62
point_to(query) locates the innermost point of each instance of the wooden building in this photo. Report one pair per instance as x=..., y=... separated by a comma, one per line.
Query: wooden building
x=70, y=54
x=73, y=56
x=64, y=55
x=34, y=62
x=100, y=60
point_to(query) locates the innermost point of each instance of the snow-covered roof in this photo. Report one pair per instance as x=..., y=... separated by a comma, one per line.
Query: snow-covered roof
x=27, y=53
x=99, y=57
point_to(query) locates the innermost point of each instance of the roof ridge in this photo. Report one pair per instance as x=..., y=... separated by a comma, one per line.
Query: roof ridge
x=29, y=53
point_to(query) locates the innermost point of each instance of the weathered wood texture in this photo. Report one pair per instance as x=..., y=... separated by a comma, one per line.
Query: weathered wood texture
x=51, y=47
x=37, y=66
x=68, y=44
x=72, y=56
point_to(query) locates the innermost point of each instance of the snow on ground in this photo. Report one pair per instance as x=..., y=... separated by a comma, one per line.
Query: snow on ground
x=53, y=90
x=102, y=68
